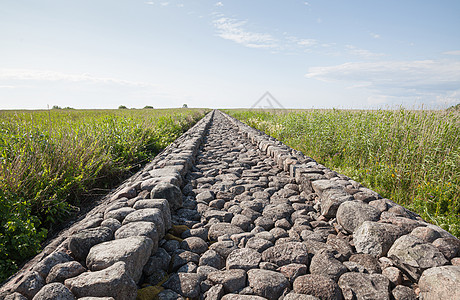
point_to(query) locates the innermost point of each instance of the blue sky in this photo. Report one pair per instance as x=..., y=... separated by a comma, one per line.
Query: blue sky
x=226, y=54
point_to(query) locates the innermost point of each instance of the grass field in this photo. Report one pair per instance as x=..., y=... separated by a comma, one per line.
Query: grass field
x=410, y=157
x=51, y=160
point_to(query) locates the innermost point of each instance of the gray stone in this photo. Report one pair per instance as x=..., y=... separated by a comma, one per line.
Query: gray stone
x=426, y=234
x=244, y=259
x=63, y=271
x=242, y=297
x=223, y=248
x=169, y=295
x=189, y=267
x=393, y=274
x=220, y=229
x=268, y=284
x=222, y=216
x=118, y=214
x=295, y=296
x=134, y=251
x=205, y=196
x=440, y=283
x=15, y=296
x=285, y=254
x=80, y=243
x=331, y=200
x=182, y=257
x=324, y=263
x=44, y=266
x=318, y=286
x=153, y=215
x=141, y=228
x=450, y=246
x=155, y=277
x=186, y=284
x=258, y=244
x=161, y=204
x=375, y=238
x=111, y=223
x=29, y=284
x=352, y=214
x=215, y=292
x=160, y=260
x=264, y=222
x=292, y=271
x=367, y=261
x=232, y=280
x=211, y=258
x=242, y=221
x=364, y=286
x=168, y=191
x=113, y=281
x=194, y=244
x=402, y=292
x=342, y=246
x=278, y=212
x=96, y=298
x=410, y=254
x=54, y=291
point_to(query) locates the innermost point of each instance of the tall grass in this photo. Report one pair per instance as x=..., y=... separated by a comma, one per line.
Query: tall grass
x=50, y=160
x=411, y=157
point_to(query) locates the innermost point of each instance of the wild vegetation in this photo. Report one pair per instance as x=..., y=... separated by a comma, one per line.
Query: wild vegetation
x=410, y=157
x=51, y=160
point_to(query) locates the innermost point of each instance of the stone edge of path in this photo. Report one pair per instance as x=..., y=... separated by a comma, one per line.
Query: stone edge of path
x=169, y=166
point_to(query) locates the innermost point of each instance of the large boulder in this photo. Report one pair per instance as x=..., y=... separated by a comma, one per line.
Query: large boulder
x=319, y=286
x=440, y=283
x=414, y=256
x=54, y=291
x=113, y=281
x=148, y=229
x=80, y=243
x=324, y=263
x=375, y=238
x=352, y=214
x=284, y=254
x=161, y=204
x=168, y=191
x=268, y=284
x=220, y=229
x=232, y=280
x=245, y=258
x=153, y=215
x=134, y=251
x=364, y=286
x=44, y=266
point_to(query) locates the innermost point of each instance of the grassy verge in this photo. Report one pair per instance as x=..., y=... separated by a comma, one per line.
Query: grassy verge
x=50, y=160
x=411, y=157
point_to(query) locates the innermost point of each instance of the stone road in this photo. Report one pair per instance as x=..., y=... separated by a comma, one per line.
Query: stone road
x=253, y=219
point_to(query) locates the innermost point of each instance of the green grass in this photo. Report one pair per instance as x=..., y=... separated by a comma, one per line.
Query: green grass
x=51, y=160
x=411, y=157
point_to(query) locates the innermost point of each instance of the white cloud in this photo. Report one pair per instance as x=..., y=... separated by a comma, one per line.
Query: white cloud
x=455, y=52
x=375, y=35
x=232, y=29
x=47, y=75
x=164, y=3
x=362, y=53
x=219, y=4
x=150, y=3
x=424, y=78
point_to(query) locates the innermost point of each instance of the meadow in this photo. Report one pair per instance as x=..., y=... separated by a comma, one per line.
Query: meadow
x=409, y=156
x=52, y=161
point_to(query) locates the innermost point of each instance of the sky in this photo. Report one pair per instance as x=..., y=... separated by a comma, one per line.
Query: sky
x=227, y=54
